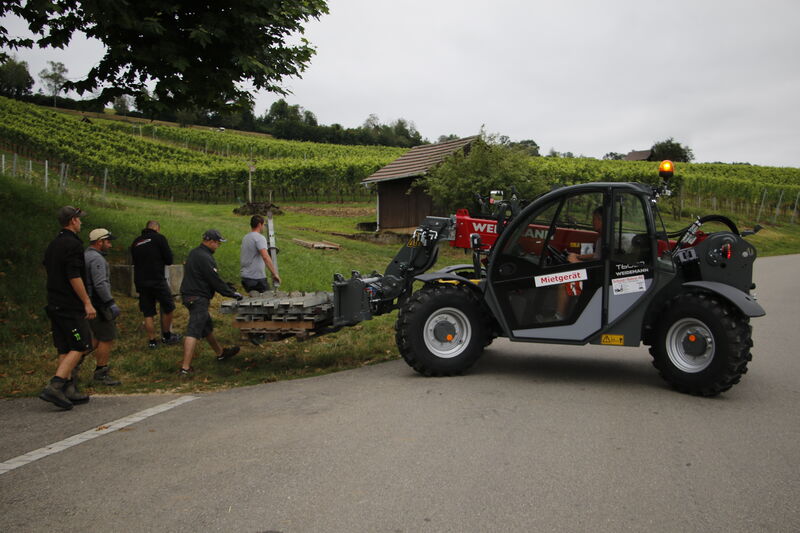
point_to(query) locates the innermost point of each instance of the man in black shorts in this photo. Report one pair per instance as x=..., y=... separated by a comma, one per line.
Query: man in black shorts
x=151, y=254
x=200, y=281
x=68, y=307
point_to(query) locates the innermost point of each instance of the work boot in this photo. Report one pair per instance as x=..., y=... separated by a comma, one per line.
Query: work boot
x=172, y=338
x=186, y=372
x=227, y=353
x=152, y=344
x=102, y=377
x=73, y=394
x=54, y=393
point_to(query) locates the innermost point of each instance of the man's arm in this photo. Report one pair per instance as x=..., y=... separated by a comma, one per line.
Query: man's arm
x=212, y=276
x=166, y=251
x=268, y=261
x=80, y=290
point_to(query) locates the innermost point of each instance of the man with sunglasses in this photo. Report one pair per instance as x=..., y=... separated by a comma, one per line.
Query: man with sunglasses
x=68, y=307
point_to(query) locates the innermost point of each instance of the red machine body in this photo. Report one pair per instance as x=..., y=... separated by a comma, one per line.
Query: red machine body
x=564, y=239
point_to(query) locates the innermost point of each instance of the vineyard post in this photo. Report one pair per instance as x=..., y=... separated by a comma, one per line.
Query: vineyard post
x=45, y=175
x=14, y=166
x=250, y=184
x=794, y=211
x=30, y=171
x=777, y=208
x=105, y=181
x=760, y=209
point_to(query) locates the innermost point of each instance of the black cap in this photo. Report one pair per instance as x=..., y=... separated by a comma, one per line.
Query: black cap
x=213, y=235
x=67, y=213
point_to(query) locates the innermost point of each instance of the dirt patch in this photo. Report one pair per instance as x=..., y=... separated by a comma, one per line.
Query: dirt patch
x=257, y=208
x=332, y=211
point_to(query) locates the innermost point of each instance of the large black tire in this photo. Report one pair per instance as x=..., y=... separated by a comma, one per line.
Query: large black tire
x=441, y=330
x=702, y=344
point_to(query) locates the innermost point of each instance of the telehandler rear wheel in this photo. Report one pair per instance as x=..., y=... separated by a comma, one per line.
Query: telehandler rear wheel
x=441, y=330
x=702, y=344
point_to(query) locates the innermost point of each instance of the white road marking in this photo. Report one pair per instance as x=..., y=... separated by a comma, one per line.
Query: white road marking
x=102, y=429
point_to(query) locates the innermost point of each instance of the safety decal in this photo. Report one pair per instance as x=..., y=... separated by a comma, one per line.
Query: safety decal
x=613, y=340
x=560, y=278
x=629, y=284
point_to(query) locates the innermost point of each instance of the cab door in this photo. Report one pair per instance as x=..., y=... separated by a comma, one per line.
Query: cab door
x=540, y=290
x=560, y=274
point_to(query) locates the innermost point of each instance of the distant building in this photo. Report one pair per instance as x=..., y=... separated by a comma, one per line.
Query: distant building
x=638, y=155
x=399, y=208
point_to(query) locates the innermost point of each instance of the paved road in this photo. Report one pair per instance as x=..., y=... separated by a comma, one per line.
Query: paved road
x=536, y=438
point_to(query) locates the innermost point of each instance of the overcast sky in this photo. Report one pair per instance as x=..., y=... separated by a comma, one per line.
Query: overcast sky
x=585, y=76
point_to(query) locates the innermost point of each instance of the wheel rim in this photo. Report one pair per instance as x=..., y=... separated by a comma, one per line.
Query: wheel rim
x=447, y=332
x=690, y=345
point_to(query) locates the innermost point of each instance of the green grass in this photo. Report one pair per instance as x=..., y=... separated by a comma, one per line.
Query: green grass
x=27, y=358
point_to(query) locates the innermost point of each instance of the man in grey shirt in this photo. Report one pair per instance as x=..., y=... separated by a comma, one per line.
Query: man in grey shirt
x=98, y=285
x=254, y=259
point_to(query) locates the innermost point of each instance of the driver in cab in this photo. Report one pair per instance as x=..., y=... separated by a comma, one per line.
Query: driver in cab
x=597, y=225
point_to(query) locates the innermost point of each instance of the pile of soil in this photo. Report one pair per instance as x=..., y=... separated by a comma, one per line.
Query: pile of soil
x=257, y=208
x=334, y=211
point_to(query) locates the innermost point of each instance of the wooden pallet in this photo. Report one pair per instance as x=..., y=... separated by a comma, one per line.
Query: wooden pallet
x=317, y=245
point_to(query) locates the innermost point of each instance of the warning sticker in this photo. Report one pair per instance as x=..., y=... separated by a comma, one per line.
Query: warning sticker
x=628, y=285
x=614, y=340
x=561, y=277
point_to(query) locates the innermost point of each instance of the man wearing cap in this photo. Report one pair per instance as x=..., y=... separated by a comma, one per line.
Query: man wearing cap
x=151, y=254
x=200, y=281
x=98, y=284
x=68, y=307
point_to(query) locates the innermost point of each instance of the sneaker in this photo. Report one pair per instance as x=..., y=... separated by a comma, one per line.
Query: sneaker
x=54, y=393
x=173, y=338
x=73, y=394
x=153, y=344
x=186, y=372
x=227, y=353
x=103, y=377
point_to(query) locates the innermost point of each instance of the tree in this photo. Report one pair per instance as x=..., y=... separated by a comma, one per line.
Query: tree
x=199, y=54
x=526, y=146
x=671, y=150
x=15, y=80
x=614, y=156
x=54, y=78
x=486, y=165
x=122, y=104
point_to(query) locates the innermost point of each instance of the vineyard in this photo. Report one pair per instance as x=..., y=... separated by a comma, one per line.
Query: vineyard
x=155, y=164
x=217, y=166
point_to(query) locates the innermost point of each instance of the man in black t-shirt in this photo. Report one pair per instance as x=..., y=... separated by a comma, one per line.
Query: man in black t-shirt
x=68, y=307
x=151, y=254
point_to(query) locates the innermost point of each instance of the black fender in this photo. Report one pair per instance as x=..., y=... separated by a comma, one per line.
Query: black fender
x=746, y=303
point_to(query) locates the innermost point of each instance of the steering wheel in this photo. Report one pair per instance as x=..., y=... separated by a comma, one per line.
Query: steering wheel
x=556, y=256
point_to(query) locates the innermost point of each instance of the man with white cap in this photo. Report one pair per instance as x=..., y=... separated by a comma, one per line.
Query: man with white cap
x=104, y=329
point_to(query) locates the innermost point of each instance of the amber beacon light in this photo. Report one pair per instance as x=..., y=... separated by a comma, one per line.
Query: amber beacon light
x=666, y=169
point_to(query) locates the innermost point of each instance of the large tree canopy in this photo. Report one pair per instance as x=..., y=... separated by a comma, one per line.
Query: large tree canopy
x=15, y=80
x=199, y=53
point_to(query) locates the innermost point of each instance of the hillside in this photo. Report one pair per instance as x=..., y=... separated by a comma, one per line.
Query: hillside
x=189, y=164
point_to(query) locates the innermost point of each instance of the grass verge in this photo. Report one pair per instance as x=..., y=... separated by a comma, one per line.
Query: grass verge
x=27, y=358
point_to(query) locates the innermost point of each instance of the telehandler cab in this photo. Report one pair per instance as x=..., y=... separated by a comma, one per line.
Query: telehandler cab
x=584, y=264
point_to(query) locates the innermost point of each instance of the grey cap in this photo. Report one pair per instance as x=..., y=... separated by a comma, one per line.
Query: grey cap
x=67, y=213
x=213, y=235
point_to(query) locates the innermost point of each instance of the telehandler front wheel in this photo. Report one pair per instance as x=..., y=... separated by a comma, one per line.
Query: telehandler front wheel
x=441, y=330
x=702, y=344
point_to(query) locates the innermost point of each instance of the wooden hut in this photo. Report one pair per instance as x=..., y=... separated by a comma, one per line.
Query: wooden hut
x=399, y=206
